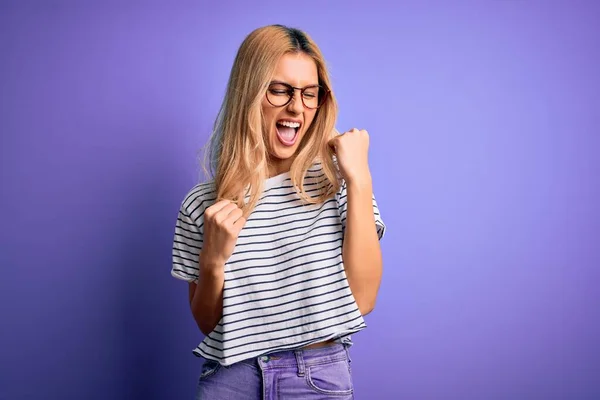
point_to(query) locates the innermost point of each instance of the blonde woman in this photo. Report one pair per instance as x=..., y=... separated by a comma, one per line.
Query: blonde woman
x=281, y=247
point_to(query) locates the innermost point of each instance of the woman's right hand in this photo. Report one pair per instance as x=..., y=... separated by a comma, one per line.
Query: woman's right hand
x=223, y=222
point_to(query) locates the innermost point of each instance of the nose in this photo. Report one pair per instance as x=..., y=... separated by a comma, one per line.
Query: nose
x=296, y=105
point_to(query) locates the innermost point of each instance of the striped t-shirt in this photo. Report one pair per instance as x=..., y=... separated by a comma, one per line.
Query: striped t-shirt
x=285, y=284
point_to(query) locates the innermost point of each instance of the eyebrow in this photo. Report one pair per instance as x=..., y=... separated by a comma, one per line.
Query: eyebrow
x=285, y=83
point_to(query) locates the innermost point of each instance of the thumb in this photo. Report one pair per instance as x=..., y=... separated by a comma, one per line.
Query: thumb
x=335, y=140
x=333, y=143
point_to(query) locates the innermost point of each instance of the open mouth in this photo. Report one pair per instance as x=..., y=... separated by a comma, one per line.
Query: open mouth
x=287, y=132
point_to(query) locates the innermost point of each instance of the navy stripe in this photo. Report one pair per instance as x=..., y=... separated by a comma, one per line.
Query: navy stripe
x=186, y=244
x=283, y=295
x=191, y=228
x=321, y=208
x=262, y=242
x=287, y=244
x=314, y=221
x=288, y=311
x=337, y=272
x=271, y=323
x=284, y=261
x=280, y=210
x=248, y=344
x=179, y=234
x=188, y=266
x=202, y=352
x=279, y=272
x=246, y=311
x=184, y=272
x=177, y=253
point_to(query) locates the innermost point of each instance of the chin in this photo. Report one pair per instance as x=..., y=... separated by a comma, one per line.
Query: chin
x=283, y=154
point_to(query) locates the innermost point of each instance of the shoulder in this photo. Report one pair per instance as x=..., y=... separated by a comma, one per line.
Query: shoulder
x=198, y=199
x=317, y=177
x=316, y=173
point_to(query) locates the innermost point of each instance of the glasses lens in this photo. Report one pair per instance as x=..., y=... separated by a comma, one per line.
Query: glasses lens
x=278, y=94
x=311, y=97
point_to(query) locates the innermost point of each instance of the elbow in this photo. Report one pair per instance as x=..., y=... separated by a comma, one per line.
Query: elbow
x=205, y=326
x=366, y=307
x=205, y=329
x=205, y=323
x=365, y=300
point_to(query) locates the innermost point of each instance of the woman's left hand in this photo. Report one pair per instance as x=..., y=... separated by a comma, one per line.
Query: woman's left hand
x=351, y=149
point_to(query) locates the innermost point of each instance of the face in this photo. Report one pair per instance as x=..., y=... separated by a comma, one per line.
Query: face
x=300, y=71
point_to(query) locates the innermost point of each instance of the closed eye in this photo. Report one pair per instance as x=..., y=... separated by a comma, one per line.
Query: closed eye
x=278, y=92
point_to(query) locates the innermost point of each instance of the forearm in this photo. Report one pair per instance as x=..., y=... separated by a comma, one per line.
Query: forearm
x=361, y=250
x=207, y=302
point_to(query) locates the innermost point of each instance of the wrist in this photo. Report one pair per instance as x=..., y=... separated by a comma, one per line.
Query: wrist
x=213, y=277
x=211, y=267
x=359, y=182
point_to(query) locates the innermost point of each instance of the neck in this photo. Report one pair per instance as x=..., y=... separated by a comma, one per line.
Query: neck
x=278, y=167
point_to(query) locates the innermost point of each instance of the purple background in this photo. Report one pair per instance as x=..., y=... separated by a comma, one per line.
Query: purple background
x=484, y=118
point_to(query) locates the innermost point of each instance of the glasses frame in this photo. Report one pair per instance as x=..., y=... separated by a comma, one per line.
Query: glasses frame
x=292, y=90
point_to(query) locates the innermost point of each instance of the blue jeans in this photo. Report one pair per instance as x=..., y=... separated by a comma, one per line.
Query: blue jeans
x=307, y=374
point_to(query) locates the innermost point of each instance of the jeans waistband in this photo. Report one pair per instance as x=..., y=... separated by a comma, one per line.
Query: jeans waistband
x=301, y=358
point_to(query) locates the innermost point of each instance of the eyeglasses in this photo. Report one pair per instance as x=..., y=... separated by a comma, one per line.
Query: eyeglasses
x=280, y=94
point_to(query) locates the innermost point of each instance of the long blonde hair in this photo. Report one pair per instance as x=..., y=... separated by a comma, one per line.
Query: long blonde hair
x=237, y=153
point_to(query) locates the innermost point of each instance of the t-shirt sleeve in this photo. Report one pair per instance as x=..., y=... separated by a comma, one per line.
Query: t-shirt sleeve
x=342, y=198
x=187, y=244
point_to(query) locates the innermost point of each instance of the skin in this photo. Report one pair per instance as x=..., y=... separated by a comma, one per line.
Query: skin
x=298, y=70
x=223, y=221
x=361, y=251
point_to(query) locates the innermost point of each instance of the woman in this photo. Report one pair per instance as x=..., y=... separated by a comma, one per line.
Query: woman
x=281, y=248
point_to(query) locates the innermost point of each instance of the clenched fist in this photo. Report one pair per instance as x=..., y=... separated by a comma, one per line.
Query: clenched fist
x=351, y=150
x=223, y=222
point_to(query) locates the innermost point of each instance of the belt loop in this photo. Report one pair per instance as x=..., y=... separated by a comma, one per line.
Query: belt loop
x=347, y=353
x=300, y=362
